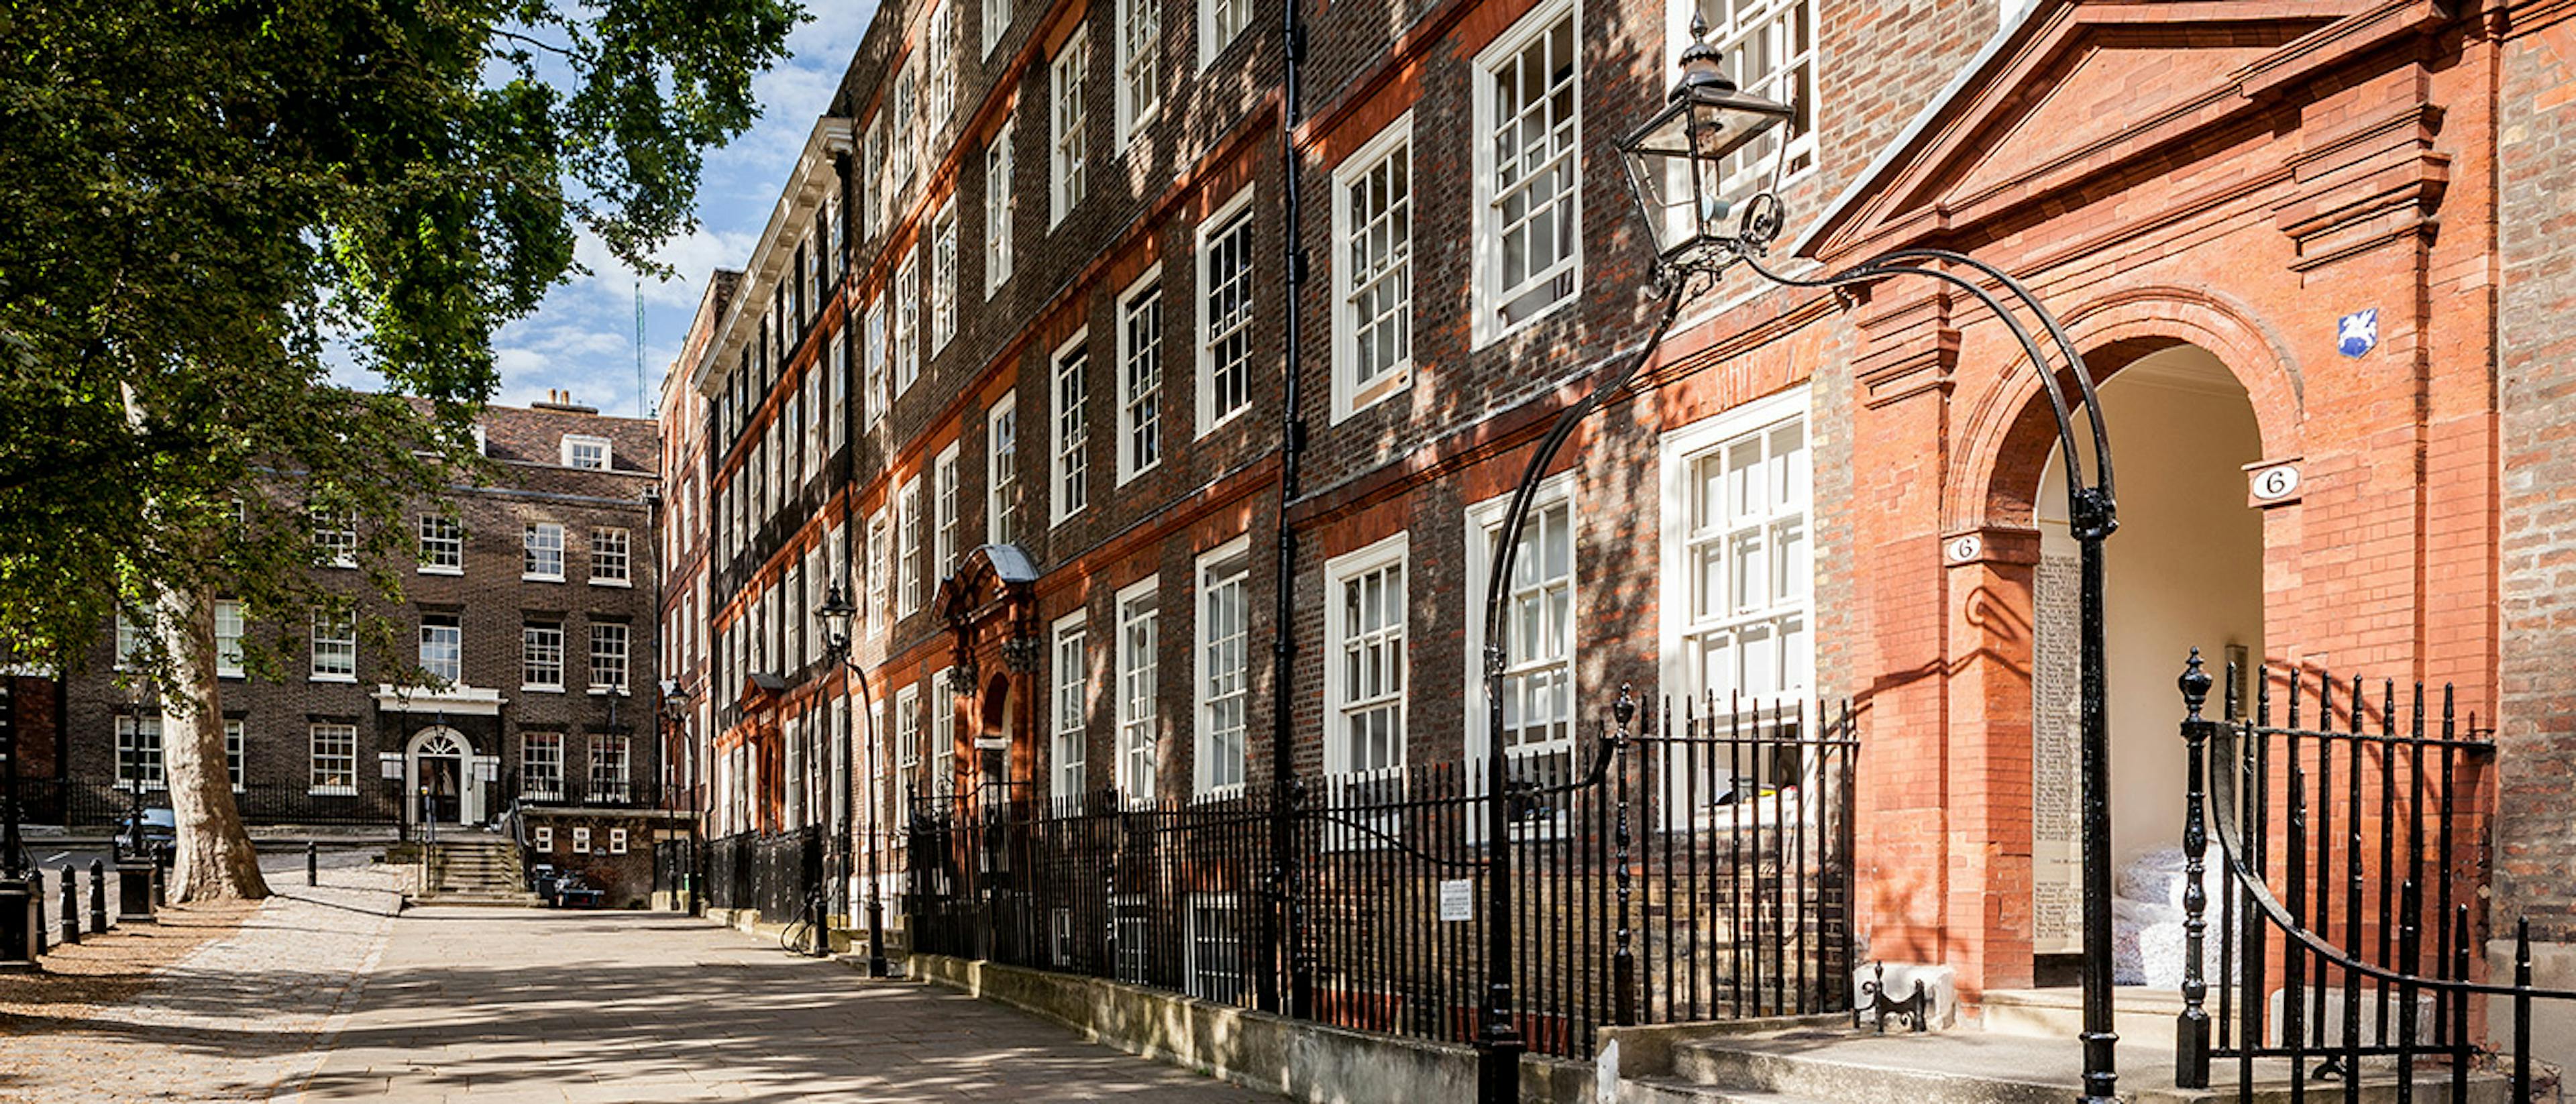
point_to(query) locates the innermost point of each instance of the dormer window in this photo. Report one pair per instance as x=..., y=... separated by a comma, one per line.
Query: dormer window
x=585, y=452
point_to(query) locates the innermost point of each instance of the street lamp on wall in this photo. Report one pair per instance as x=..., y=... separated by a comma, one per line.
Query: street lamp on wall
x=1678, y=172
x=836, y=613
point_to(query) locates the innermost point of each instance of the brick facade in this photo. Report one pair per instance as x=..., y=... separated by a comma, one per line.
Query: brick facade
x=2223, y=182
x=491, y=601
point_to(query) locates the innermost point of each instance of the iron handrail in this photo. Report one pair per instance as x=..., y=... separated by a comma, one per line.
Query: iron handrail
x=2231, y=843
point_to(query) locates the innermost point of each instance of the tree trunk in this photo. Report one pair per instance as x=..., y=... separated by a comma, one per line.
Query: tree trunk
x=215, y=857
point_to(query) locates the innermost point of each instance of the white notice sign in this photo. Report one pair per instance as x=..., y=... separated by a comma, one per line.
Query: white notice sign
x=1457, y=899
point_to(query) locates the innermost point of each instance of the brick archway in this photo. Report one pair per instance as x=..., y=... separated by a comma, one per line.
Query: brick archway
x=2008, y=430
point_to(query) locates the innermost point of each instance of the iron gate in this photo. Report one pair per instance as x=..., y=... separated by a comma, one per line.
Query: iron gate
x=2352, y=852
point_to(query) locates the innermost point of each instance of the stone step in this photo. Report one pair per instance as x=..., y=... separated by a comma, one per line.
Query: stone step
x=1848, y=1066
x=2138, y=1014
x=1673, y=1090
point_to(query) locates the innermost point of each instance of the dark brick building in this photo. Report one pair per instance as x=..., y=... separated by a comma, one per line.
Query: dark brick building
x=534, y=598
x=983, y=366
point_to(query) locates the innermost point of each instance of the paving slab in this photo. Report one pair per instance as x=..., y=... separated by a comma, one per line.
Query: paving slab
x=494, y=1005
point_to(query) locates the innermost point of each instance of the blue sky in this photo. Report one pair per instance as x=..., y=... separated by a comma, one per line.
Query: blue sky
x=583, y=337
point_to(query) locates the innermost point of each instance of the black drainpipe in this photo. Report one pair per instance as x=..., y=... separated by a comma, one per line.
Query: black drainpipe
x=1283, y=646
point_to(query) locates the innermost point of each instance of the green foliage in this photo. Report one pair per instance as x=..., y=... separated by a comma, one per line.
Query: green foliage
x=202, y=197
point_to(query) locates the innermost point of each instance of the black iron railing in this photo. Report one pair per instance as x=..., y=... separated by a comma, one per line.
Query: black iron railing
x=776, y=874
x=1699, y=868
x=100, y=804
x=2349, y=886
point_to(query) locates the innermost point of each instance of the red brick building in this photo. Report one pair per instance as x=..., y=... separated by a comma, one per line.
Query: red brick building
x=2309, y=249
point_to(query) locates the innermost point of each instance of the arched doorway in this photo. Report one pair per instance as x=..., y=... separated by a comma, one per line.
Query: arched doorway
x=439, y=777
x=2184, y=570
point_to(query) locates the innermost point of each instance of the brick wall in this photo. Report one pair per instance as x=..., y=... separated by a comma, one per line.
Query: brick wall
x=492, y=602
x=2536, y=401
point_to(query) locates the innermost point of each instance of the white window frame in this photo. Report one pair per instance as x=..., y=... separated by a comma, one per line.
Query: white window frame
x=536, y=544
x=1002, y=469
x=1680, y=451
x=1489, y=295
x=944, y=527
x=612, y=775
x=337, y=533
x=617, y=841
x=1137, y=68
x=1140, y=387
x=575, y=443
x=318, y=758
x=604, y=558
x=581, y=839
x=445, y=536
x=622, y=636
x=943, y=275
x=1069, y=721
x=837, y=430
x=997, y=22
x=530, y=762
x=1001, y=208
x=1206, y=698
x=1394, y=551
x=1068, y=126
x=532, y=647
x=907, y=749
x=880, y=571
x=236, y=735
x=907, y=545
x=939, y=48
x=873, y=357
x=138, y=745
x=458, y=629
x=334, y=635
x=907, y=323
x=1483, y=525
x=1350, y=396
x=1139, y=700
x=230, y=626
x=542, y=837
x=1204, y=318
x=940, y=739
x=1068, y=432
x=905, y=137
x=1730, y=33
x=1214, y=36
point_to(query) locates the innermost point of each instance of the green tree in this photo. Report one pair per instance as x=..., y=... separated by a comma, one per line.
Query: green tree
x=205, y=201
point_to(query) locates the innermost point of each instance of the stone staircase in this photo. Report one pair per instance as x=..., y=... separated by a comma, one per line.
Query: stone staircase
x=476, y=869
x=2025, y=1053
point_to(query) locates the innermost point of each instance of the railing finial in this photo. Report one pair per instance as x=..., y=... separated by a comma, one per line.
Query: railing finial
x=2195, y=685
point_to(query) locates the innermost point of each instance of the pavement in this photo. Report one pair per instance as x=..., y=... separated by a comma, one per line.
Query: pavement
x=325, y=994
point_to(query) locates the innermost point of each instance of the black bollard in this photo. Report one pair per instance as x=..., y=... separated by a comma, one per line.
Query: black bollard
x=71, y=905
x=312, y=863
x=98, y=895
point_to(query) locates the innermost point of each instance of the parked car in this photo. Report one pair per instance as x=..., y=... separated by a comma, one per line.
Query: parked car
x=156, y=836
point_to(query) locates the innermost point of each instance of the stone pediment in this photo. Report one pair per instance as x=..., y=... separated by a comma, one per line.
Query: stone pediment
x=2080, y=90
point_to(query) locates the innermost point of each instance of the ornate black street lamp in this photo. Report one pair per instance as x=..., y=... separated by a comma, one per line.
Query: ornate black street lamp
x=675, y=716
x=1677, y=166
x=836, y=612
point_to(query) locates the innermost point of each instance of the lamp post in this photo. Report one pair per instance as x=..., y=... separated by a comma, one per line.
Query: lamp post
x=1702, y=222
x=836, y=612
x=675, y=714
